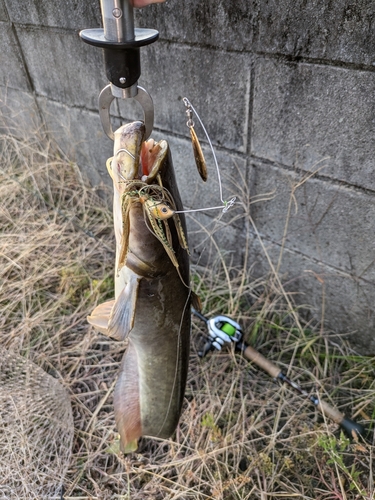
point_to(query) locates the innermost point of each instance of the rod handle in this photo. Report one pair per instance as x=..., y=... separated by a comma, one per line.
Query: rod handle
x=350, y=427
x=256, y=357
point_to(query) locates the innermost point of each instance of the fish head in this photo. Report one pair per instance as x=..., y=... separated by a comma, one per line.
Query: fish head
x=134, y=158
x=127, y=151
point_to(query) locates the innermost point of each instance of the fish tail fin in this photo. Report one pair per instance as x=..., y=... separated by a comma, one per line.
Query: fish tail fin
x=126, y=402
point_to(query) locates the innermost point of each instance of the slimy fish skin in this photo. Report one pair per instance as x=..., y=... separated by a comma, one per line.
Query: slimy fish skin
x=151, y=308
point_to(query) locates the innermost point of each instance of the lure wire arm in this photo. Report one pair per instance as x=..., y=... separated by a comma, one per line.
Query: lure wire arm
x=222, y=329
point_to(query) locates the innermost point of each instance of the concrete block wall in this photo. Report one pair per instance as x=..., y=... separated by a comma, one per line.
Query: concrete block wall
x=285, y=89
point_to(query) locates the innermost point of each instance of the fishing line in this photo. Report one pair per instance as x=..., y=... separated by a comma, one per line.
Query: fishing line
x=186, y=305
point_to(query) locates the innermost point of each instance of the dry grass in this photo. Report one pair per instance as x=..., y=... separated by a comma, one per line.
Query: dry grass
x=241, y=436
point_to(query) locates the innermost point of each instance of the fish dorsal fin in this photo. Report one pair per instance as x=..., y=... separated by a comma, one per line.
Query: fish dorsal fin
x=121, y=319
x=100, y=316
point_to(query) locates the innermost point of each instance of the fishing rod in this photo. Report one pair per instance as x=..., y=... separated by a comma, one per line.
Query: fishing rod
x=224, y=330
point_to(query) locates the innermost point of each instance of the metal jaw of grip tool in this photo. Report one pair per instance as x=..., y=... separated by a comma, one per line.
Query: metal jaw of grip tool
x=222, y=329
x=121, y=43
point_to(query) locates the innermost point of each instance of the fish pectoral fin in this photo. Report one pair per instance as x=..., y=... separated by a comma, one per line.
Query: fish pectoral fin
x=100, y=316
x=121, y=319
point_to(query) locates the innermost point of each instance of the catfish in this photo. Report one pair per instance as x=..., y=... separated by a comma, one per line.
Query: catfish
x=152, y=305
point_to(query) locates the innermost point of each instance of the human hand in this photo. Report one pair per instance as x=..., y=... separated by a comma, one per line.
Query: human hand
x=138, y=4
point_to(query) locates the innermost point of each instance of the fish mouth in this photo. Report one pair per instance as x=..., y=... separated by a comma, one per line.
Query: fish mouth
x=135, y=158
x=152, y=157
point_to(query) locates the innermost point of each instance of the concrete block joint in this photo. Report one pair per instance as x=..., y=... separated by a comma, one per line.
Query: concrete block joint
x=284, y=89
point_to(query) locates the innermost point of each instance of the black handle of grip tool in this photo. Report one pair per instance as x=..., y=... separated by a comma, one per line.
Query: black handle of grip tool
x=121, y=42
x=122, y=59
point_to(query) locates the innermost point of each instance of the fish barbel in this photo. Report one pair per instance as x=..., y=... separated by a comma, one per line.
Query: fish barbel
x=152, y=294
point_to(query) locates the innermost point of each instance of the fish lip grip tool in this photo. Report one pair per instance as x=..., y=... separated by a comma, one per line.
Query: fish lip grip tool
x=121, y=43
x=222, y=330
